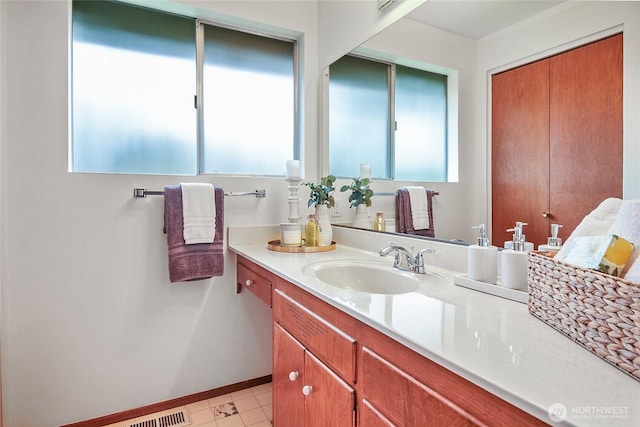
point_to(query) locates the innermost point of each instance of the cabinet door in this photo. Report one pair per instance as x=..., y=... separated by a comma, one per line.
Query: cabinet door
x=288, y=379
x=585, y=130
x=329, y=401
x=520, y=151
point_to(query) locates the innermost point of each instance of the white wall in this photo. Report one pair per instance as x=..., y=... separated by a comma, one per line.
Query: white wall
x=345, y=24
x=413, y=43
x=90, y=323
x=568, y=25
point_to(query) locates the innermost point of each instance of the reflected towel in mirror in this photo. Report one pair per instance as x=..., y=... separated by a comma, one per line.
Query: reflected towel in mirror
x=404, y=212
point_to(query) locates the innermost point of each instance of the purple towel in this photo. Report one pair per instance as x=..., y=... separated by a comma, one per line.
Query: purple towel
x=404, y=220
x=198, y=261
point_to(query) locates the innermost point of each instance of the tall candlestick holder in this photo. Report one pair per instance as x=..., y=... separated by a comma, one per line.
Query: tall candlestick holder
x=294, y=201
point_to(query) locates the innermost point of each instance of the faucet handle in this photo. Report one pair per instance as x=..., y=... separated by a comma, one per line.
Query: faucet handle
x=419, y=260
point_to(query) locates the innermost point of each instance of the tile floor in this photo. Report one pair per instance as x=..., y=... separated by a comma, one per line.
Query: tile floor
x=244, y=408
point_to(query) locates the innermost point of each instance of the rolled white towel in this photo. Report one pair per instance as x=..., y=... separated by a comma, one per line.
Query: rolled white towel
x=596, y=223
x=627, y=226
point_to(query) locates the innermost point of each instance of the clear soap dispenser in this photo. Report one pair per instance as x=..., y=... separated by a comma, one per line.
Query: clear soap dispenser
x=554, y=243
x=513, y=261
x=482, y=259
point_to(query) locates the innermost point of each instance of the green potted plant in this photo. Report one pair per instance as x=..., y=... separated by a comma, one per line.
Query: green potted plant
x=360, y=198
x=360, y=192
x=321, y=197
x=321, y=193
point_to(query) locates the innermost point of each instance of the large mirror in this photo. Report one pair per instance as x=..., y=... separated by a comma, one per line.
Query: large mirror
x=469, y=41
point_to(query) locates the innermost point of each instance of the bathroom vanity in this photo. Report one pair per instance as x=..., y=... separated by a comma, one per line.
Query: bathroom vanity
x=439, y=355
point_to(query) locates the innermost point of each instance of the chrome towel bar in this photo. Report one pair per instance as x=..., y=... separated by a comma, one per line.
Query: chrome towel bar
x=433, y=193
x=143, y=192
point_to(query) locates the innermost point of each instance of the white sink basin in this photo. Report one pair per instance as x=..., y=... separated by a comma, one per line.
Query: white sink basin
x=375, y=277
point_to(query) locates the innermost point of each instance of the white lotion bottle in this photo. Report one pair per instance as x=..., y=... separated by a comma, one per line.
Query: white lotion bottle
x=514, y=262
x=554, y=243
x=482, y=259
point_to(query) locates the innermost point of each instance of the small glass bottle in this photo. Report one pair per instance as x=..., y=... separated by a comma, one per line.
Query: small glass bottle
x=378, y=223
x=311, y=231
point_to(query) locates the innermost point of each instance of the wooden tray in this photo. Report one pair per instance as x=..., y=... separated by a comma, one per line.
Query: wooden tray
x=275, y=245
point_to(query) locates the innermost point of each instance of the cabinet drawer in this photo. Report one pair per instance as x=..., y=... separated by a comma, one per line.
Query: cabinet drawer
x=328, y=343
x=254, y=282
x=403, y=399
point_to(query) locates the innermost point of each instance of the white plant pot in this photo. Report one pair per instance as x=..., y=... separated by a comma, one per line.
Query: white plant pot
x=325, y=232
x=361, y=219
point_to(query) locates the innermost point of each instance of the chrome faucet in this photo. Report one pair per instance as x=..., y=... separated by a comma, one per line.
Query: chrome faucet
x=419, y=260
x=404, y=259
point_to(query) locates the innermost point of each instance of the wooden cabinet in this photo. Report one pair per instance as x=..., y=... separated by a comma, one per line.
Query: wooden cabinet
x=405, y=400
x=254, y=278
x=307, y=393
x=371, y=417
x=360, y=376
x=556, y=139
x=288, y=378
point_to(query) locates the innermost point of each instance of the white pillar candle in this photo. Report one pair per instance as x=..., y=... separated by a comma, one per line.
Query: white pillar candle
x=365, y=171
x=293, y=168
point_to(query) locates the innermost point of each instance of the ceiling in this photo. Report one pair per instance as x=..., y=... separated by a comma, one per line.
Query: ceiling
x=479, y=18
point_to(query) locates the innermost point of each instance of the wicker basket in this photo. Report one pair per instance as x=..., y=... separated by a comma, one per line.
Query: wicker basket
x=596, y=310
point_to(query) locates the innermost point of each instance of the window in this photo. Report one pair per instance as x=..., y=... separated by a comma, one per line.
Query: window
x=133, y=84
x=359, y=117
x=134, y=80
x=248, y=102
x=393, y=116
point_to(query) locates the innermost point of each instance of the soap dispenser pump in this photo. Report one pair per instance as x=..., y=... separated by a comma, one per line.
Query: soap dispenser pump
x=521, y=238
x=554, y=243
x=513, y=261
x=482, y=260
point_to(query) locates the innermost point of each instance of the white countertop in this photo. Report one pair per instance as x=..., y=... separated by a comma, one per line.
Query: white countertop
x=493, y=342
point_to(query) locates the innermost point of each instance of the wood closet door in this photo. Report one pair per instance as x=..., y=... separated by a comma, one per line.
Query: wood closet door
x=585, y=130
x=520, y=150
x=556, y=139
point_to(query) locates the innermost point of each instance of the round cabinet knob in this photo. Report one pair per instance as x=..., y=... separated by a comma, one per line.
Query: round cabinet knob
x=248, y=282
x=306, y=390
x=545, y=214
x=293, y=376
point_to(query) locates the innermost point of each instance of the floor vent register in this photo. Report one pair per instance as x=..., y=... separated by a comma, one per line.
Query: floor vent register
x=163, y=419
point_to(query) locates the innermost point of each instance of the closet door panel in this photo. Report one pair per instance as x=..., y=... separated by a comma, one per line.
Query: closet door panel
x=585, y=130
x=520, y=151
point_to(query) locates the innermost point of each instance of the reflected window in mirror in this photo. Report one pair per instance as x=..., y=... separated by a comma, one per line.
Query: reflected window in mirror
x=393, y=117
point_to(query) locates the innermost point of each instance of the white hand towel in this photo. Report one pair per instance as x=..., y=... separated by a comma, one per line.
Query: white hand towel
x=627, y=226
x=418, y=201
x=198, y=213
x=596, y=223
